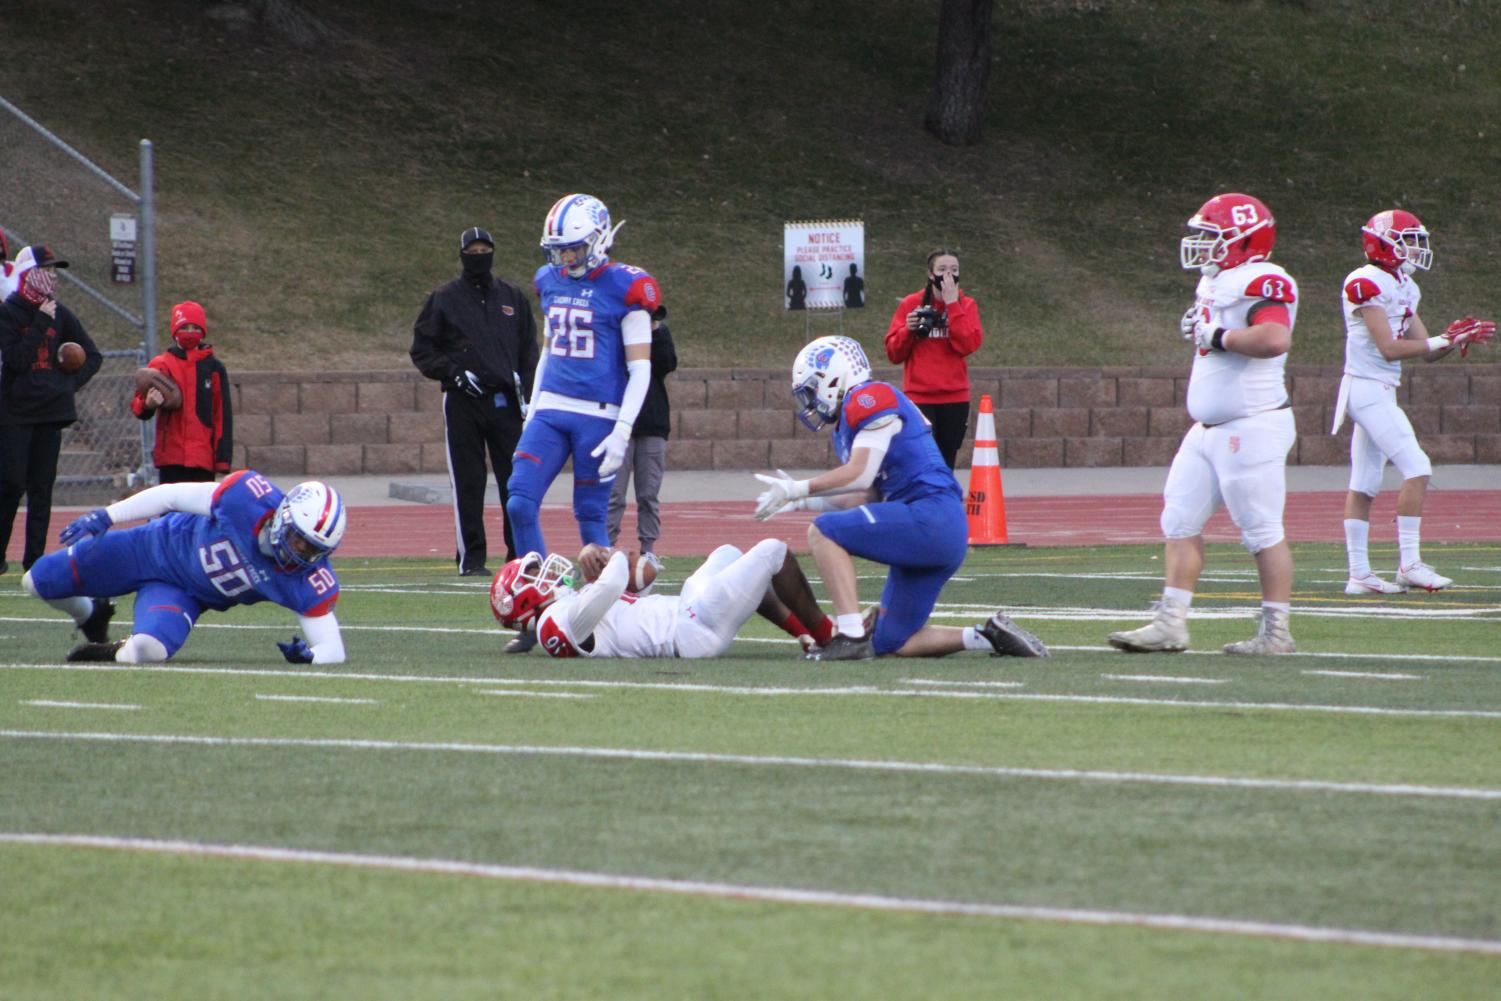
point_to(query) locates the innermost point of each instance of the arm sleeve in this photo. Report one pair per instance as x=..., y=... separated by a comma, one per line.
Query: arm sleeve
x=876, y=440
x=635, y=392
x=598, y=598
x=188, y=498
x=426, y=352
x=322, y=633
x=965, y=332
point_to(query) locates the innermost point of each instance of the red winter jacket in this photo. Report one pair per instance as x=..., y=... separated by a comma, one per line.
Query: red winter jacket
x=934, y=369
x=199, y=433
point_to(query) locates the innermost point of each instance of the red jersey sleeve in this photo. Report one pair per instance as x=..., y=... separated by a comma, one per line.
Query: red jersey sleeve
x=644, y=293
x=1273, y=288
x=1361, y=291
x=553, y=640
x=868, y=402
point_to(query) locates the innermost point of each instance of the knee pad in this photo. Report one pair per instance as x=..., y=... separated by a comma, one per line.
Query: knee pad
x=774, y=551
x=1263, y=535
x=1180, y=523
x=1411, y=461
x=521, y=509
x=139, y=648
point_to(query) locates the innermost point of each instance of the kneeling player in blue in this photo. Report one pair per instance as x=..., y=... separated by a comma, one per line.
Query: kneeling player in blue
x=893, y=501
x=217, y=545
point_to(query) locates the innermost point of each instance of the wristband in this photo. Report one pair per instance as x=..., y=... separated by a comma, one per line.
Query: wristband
x=1217, y=341
x=1439, y=343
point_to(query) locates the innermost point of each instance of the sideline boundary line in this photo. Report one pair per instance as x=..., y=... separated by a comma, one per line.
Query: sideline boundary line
x=778, y=761
x=774, y=894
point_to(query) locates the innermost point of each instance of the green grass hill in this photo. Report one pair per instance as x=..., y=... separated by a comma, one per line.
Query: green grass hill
x=316, y=161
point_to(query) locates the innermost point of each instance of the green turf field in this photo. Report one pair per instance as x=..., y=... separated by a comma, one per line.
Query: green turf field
x=432, y=820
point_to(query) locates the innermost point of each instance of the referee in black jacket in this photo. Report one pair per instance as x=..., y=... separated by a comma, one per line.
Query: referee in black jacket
x=477, y=336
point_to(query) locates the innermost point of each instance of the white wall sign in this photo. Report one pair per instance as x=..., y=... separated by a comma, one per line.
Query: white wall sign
x=823, y=264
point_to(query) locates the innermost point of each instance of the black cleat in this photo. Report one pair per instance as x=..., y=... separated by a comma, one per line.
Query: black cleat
x=521, y=644
x=95, y=628
x=95, y=651
x=1010, y=639
x=843, y=647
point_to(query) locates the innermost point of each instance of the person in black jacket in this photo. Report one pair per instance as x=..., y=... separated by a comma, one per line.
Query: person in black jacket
x=646, y=455
x=36, y=396
x=477, y=336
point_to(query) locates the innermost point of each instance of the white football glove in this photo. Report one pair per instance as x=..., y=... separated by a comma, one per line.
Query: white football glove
x=612, y=449
x=1203, y=335
x=784, y=492
x=1189, y=321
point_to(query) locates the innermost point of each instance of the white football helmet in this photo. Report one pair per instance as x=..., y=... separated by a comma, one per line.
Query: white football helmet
x=308, y=525
x=578, y=221
x=825, y=370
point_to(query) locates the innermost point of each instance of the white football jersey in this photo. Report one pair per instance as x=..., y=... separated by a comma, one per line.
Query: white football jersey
x=1395, y=295
x=633, y=627
x=1223, y=385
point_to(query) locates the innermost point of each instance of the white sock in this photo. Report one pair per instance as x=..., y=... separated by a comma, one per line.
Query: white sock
x=1357, y=546
x=852, y=626
x=974, y=641
x=79, y=609
x=1178, y=595
x=1408, y=533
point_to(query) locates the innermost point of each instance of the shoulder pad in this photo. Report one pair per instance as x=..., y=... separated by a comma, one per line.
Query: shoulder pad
x=643, y=291
x=552, y=639
x=1361, y=290
x=867, y=400
x=1277, y=288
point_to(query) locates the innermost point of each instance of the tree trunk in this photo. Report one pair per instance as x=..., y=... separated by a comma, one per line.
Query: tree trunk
x=956, y=108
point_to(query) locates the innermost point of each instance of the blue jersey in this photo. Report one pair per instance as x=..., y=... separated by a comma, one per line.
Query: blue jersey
x=218, y=561
x=586, y=355
x=912, y=467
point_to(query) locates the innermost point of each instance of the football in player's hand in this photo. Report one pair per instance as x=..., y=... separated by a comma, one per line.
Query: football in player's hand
x=70, y=357
x=593, y=557
x=148, y=379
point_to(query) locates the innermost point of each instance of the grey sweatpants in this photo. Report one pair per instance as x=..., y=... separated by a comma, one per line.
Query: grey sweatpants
x=646, y=458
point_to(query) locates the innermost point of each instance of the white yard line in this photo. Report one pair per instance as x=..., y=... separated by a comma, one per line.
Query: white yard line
x=1164, y=677
x=1368, y=674
x=317, y=698
x=1438, y=658
x=776, y=894
x=854, y=690
x=50, y=704
x=777, y=761
x=964, y=684
x=534, y=695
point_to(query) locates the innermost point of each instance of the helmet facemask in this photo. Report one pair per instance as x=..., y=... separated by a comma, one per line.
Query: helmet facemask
x=308, y=525
x=580, y=223
x=526, y=586
x=825, y=371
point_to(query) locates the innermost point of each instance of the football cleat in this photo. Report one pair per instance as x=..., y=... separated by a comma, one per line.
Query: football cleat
x=1009, y=639
x=1272, y=636
x=1166, y=633
x=1422, y=575
x=95, y=651
x=1371, y=584
x=843, y=647
x=95, y=628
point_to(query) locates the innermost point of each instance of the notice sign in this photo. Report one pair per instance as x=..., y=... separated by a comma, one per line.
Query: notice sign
x=122, y=253
x=823, y=264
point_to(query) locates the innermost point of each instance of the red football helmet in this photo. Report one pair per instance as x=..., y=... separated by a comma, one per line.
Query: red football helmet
x=1396, y=239
x=1229, y=230
x=526, y=586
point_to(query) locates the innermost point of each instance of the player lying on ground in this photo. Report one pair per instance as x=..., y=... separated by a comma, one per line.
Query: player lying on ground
x=893, y=501
x=604, y=620
x=217, y=545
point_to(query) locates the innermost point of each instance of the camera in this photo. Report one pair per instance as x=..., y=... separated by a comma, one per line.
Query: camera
x=928, y=320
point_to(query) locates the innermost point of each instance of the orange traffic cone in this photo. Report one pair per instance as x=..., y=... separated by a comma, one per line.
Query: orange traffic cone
x=985, y=504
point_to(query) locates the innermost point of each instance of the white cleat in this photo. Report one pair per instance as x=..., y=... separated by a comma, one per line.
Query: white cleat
x=1422, y=575
x=1272, y=636
x=1371, y=584
x=1166, y=633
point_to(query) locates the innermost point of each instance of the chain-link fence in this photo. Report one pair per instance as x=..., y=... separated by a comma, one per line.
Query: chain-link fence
x=57, y=196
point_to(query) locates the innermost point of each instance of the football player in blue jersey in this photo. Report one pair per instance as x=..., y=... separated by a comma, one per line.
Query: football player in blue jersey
x=894, y=501
x=592, y=376
x=237, y=542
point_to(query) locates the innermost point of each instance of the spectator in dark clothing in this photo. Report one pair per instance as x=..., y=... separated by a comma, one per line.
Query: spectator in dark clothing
x=195, y=439
x=646, y=455
x=477, y=336
x=36, y=396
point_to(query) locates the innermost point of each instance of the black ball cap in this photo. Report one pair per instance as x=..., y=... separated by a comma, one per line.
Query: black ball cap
x=475, y=234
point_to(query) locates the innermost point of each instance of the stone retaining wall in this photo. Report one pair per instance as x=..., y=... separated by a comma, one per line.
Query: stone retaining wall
x=390, y=422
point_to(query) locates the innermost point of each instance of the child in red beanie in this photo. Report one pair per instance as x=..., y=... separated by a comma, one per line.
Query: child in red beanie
x=194, y=437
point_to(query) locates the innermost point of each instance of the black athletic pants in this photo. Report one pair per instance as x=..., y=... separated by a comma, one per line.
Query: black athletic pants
x=950, y=422
x=471, y=427
x=30, y=467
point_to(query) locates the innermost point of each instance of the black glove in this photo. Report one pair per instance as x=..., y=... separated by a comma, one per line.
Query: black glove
x=468, y=382
x=297, y=651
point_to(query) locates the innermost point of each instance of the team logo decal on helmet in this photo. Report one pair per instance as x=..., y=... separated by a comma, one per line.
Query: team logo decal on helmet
x=581, y=223
x=524, y=588
x=1228, y=230
x=824, y=372
x=1397, y=239
x=308, y=525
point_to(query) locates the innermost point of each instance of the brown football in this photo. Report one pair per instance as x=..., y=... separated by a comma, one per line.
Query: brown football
x=592, y=560
x=70, y=357
x=148, y=379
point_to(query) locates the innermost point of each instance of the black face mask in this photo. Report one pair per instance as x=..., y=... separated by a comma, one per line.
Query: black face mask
x=477, y=266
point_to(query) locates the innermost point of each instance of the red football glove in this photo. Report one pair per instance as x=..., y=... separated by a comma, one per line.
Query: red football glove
x=37, y=285
x=1468, y=330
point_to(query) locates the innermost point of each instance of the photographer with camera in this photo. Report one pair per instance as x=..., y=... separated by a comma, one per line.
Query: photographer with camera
x=931, y=334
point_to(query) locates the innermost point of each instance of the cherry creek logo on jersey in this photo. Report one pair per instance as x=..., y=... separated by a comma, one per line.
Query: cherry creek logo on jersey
x=866, y=401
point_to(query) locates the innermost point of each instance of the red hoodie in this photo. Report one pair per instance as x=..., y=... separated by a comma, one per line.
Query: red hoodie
x=934, y=367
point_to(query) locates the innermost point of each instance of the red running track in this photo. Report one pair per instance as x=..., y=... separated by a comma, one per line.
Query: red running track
x=695, y=528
